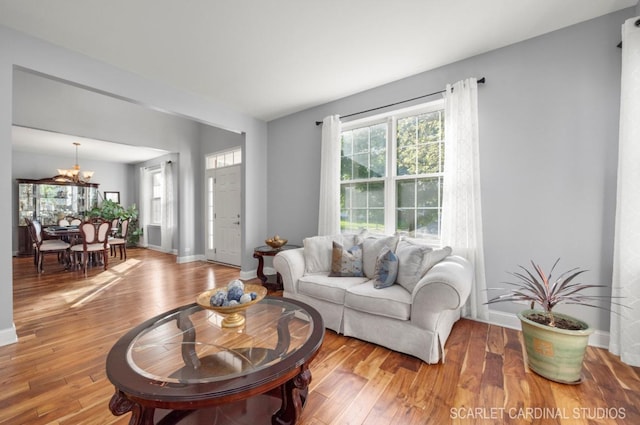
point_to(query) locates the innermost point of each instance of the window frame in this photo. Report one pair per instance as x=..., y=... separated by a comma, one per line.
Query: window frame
x=153, y=220
x=222, y=159
x=391, y=177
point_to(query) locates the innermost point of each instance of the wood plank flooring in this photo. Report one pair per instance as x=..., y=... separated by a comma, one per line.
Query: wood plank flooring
x=67, y=323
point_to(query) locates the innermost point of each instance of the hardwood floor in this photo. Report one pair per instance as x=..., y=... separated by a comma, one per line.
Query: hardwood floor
x=66, y=325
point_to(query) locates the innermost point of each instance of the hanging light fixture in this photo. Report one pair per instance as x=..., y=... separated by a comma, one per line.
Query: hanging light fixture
x=73, y=174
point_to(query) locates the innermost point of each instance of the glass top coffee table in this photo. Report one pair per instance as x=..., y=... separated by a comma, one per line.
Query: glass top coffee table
x=182, y=366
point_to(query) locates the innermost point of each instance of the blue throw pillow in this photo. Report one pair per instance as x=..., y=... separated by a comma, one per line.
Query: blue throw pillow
x=386, y=269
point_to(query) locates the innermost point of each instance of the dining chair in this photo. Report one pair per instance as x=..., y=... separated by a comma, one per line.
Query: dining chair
x=114, y=226
x=121, y=241
x=42, y=246
x=63, y=222
x=75, y=222
x=94, y=241
x=33, y=241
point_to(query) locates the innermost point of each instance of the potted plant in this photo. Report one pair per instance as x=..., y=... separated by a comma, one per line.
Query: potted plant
x=555, y=343
x=110, y=210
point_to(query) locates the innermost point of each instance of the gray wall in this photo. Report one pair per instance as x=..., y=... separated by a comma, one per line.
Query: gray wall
x=45, y=103
x=24, y=52
x=548, y=134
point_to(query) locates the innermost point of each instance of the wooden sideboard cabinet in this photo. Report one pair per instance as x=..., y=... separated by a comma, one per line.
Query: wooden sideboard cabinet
x=48, y=201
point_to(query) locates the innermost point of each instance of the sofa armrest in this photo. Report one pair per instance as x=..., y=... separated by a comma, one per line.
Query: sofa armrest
x=446, y=286
x=290, y=265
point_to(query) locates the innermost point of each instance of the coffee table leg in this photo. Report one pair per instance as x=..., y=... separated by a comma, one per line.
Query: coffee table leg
x=120, y=404
x=294, y=396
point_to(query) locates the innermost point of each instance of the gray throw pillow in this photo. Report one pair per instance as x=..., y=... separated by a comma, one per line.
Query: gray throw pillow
x=415, y=260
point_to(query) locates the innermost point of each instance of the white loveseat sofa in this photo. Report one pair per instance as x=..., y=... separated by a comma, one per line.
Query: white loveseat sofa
x=415, y=319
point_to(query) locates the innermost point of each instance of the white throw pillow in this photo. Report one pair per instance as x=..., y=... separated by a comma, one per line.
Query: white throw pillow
x=414, y=260
x=318, y=250
x=371, y=248
x=410, y=259
x=317, y=253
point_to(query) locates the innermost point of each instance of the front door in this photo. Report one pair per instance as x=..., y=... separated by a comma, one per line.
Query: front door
x=223, y=226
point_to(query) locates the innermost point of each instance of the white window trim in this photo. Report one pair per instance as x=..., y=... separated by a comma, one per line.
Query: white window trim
x=391, y=176
x=236, y=160
x=152, y=174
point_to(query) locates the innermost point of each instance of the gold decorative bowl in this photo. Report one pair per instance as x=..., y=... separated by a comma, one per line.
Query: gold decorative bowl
x=276, y=243
x=232, y=318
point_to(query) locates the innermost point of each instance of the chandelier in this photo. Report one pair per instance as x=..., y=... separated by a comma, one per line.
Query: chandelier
x=73, y=174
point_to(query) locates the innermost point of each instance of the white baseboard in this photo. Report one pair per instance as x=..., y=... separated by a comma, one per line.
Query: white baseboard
x=506, y=320
x=248, y=275
x=252, y=274
x=598, y=338
x=190, y=259
x=160, y=249
x=8, y=335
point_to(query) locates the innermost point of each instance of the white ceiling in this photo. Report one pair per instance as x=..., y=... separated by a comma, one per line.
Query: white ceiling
x=272, y=58
x=31, y=140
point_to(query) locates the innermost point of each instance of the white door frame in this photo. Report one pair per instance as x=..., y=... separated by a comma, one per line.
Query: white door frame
x=212, y=239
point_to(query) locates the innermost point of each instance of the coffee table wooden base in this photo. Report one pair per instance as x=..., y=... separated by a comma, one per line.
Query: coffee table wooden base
x=182, y=365
x=287, y=401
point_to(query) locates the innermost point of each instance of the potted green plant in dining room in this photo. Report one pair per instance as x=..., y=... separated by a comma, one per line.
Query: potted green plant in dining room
x=555, y=343
x=110, y=210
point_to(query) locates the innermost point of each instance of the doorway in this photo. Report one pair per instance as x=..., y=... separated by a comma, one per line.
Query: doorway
x=223, y=196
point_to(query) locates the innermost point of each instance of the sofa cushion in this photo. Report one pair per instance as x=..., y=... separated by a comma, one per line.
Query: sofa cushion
x=411, y=257
x=415, y=260
x=386, y=270
x=394, y=301
x=327, y=288
x=346, y=262
x=371, y=248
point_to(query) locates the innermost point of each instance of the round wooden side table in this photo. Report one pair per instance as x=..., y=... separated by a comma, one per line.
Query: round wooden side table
x=271, y=282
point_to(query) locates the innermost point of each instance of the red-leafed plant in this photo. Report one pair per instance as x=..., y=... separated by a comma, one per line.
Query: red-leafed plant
x=536, y=286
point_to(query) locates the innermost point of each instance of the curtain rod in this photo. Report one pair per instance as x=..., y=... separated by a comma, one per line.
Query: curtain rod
x=152, y=167
x=480, y=81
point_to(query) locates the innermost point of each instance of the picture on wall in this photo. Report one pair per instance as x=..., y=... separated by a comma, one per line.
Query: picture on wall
x=112, y=196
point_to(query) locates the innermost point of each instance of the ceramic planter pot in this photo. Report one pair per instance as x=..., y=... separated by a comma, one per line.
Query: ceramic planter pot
x=557, y=354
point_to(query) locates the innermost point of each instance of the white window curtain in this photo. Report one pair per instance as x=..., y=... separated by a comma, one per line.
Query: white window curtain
x=329, y=208
x=624, y=339
x=461, y=206
x=167, y=206
x=143, y=207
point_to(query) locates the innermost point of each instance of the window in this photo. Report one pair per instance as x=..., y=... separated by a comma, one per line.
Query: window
x=156, y=197
x=391, y=172
x=224, y=159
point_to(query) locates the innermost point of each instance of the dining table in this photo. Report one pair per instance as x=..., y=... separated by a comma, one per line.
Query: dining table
x=69, y=234
x=62, y=232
